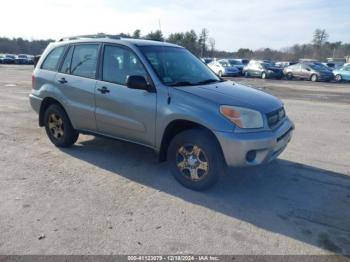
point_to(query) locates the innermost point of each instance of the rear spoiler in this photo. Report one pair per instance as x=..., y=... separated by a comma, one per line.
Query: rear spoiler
x=36, y=60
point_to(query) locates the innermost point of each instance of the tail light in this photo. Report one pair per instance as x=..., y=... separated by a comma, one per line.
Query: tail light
x=33, y=80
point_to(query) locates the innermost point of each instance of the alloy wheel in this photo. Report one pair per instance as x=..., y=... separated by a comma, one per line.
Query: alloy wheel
x=192, y=162
x=56, y=126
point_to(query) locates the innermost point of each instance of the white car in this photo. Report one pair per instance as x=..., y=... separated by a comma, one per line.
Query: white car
x=223, y=68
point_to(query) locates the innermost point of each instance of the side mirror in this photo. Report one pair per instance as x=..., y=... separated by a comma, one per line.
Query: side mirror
x=137, y=82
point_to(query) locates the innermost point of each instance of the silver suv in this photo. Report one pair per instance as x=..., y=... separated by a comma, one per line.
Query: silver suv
x=161, y=96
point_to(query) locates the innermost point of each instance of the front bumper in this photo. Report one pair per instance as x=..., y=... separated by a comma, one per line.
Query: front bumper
x=266, y=145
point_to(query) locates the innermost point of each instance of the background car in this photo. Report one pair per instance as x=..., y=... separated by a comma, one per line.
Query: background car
x=342, y=73
x=283, y=64
x=9, y=59
x=308, y=71
x=224, y=68
x=236, y=63
x=207, y=60
x=22, y=59
x=242, y=60
x=263, y=69
x=1, y=58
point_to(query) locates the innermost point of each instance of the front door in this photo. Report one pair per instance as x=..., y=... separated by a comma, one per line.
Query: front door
x=122, y=112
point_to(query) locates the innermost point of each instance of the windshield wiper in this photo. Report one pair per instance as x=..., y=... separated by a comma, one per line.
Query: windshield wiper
x=182, y=83
x=208, y=81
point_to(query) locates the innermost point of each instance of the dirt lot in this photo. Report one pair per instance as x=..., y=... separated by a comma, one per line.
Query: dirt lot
x=110, y=197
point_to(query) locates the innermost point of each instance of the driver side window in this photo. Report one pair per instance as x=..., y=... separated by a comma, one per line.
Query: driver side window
x=119, y=63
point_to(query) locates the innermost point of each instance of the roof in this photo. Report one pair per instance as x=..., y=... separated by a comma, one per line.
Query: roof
x=137, y=42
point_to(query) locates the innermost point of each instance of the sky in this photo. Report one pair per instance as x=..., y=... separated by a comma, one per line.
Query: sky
x=233, y=24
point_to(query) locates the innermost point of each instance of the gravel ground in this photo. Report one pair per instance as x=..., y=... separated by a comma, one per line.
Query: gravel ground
x=109, y=197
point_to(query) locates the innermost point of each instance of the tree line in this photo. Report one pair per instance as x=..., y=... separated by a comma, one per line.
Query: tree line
x=202, y=45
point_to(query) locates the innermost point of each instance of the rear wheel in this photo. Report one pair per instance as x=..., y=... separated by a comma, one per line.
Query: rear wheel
x=195, y=159
x=263, y=75
x=314, y=78
x=246, y=74
x=338, y=78
x=58, y=127
x=289, y=76
x=220, y=73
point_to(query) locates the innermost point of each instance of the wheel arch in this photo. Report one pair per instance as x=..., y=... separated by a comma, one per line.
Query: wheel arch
x=175, y=127
x=47, y=101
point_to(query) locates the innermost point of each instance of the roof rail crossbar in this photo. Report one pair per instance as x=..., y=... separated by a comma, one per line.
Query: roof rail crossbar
x=89, y=36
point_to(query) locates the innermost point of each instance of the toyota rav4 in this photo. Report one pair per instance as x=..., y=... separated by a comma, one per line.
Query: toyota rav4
x=161, y=96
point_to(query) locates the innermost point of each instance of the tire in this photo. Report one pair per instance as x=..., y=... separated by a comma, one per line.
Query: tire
x=289, y=76
x=220, y=73
x=338, y=78
x=201, y=149
x=263, y=75
x=246, y=74
x=58, y=127
x=314, y=78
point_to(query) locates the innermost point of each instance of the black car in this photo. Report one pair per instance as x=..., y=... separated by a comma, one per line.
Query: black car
x=8, y=59
x=263, y=69
x=22, y=59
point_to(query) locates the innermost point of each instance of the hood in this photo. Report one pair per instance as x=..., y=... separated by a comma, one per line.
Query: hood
x=229, y=93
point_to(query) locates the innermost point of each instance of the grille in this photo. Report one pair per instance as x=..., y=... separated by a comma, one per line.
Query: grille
x=275, y=117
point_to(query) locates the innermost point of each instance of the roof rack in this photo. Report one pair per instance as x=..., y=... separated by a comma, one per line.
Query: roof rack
x=100, y=35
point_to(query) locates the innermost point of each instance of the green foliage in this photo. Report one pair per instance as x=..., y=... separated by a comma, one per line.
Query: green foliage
x=156, y=36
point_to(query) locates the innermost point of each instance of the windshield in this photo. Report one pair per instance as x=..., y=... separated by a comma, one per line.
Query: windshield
x=177, y=66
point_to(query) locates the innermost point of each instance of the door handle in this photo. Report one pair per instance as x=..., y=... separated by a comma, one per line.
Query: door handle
x=103, y=90
x=63, y=81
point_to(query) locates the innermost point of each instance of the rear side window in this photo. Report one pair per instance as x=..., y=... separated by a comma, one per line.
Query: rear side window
x=67, y=61
x=84, y=60
x=53, y=58
x=118, y=63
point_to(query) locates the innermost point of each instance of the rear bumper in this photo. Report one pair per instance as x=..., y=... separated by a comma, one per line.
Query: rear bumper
x=264, y=146
x=35, y=102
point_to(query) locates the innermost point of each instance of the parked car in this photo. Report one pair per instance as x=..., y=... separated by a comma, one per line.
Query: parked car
x=22, y=59
x=207, y=60
x=342, y=74
x=236, y=63
x=283, y=64
x=308, y=71
x=224, y=68
x=321, y=65
x=161, y=96
x=242, y=60
x=263, y=69
x=8, y=59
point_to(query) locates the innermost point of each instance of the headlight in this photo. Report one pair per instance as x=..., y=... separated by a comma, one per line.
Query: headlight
x=242, y=117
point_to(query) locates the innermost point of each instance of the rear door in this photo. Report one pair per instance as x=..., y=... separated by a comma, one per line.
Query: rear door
x=76, y=80
x=297, y=71
x=122, y=112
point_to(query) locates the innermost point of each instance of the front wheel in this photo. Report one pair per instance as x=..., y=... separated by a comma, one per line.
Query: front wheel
x=58, y=127
x=314, y=78
x=338, y=78
x=263, y=75
x=195, y=159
